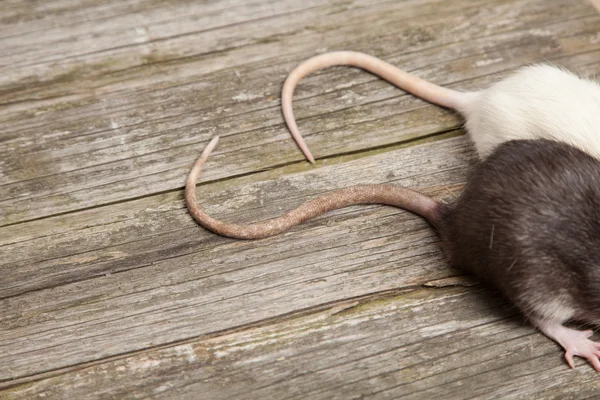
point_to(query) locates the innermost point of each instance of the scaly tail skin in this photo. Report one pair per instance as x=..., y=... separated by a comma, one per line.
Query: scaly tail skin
x=359, y=194
x=402, y=79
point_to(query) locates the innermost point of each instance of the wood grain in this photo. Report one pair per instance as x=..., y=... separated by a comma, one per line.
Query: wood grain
x=109, y=289
x=395, y=346
x=119, y=123
x=145, y=274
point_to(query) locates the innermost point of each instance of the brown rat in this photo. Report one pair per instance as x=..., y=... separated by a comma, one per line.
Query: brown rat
x=527, y=223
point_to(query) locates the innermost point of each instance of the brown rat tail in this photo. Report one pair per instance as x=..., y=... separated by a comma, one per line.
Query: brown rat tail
x=412, y=84
x=360, y=194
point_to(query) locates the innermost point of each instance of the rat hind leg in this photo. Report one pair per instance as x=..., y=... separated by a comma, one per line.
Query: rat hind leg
x=575, y=343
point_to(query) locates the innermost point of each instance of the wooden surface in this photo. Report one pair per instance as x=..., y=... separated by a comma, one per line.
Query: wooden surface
x=108, y=289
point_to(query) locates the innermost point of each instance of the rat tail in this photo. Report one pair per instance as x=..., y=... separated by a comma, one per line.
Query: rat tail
x=412, y=84
x=360, y=194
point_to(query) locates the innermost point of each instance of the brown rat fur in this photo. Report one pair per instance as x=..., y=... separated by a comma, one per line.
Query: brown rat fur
x=527, y=223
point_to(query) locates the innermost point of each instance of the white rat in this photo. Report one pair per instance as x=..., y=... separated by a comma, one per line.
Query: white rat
x=538, y=101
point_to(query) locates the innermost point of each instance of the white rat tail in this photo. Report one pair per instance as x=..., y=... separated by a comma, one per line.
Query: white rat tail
x=412, y=84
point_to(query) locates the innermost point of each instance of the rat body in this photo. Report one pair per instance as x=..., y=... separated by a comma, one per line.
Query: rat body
x=527, y=223
x=539, y=101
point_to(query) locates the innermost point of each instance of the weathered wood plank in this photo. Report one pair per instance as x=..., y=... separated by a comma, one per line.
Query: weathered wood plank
x=121, y=278
x=29, y=24
x=103, y=103
x=21, y=17
x=103, y=136
x=451, y=343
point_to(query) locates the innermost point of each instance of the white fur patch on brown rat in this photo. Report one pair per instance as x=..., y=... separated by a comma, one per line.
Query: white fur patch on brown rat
x=527, y=223
x=538, y=101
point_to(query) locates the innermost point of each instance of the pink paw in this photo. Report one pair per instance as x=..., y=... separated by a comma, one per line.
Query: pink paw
x=575, y=343
x=579, y=345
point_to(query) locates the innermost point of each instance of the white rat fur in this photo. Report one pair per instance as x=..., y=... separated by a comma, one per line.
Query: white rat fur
x=539, y=101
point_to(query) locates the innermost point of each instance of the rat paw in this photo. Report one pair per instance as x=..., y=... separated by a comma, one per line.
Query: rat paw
x=578, y=344
x=575, y=343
